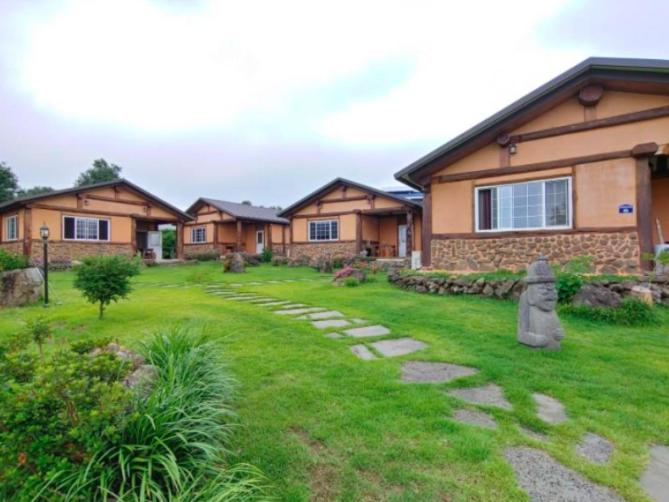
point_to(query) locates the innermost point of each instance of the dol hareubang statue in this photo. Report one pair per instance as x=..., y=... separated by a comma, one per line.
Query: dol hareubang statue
x=538, y=324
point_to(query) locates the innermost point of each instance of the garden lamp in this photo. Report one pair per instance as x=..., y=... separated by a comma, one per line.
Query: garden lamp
x=44, y=234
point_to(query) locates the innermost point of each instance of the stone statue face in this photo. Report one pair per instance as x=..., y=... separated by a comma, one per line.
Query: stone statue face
x=543, y=296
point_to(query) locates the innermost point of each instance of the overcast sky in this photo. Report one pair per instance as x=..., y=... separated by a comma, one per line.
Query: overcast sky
x=266, y=101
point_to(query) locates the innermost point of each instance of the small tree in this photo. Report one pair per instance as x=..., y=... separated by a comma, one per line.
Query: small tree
x=100, y=172
x=39, y=330
x=9, y=183
x=103, y=279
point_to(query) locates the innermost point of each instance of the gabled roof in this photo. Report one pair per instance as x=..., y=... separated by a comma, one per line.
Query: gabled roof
x=342, y=181
x=240, y=211
x=650, y=75
x=23, y=201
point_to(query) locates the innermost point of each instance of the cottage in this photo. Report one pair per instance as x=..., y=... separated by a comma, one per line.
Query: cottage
x=344, y=218
x=577, y=167
x=223, y=227
x=114, y=217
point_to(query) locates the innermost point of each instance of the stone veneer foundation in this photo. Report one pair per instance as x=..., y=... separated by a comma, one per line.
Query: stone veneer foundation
x=64, y=251
x=612, y=252
x=316, y=249
x=195, y=249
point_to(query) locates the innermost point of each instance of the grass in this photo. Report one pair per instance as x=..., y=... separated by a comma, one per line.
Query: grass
x=323, y=425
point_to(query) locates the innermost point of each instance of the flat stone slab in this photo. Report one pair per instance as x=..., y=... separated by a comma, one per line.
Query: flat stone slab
x=549, y=409
x=427, y=372
x=294, y=305
x=261, y=300
x=240, y=298
x=595, y=448
x=488, y=395
x=366, y=331
x=546, y=480
x=272, y=304
x=471, y=417
x=334, y=336
x=322, y=315
x=655, y=479
x=330, y=323
x=357, y=320
x=362, y=352
x=298, y=311
x=398, y=346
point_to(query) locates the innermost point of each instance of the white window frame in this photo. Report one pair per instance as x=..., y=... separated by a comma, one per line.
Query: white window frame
x=543, y=182
x=88, y=218
x=15, y=219
x=194, y=233
x=330, y=222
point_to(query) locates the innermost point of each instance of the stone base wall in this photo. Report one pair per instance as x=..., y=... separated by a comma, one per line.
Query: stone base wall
x=70, y=251
x=195, y=249
x=316, y=249
x=612, y=253
x=13, y=247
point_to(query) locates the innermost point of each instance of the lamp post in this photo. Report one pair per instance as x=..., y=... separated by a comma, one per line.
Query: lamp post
x=44, y=234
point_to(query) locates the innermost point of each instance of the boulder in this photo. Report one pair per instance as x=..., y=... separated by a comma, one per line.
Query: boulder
x=236, y=263
x=20, y=287
x=642, y=293
x=593, y=295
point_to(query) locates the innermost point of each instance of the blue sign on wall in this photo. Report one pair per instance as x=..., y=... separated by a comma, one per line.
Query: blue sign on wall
x=625, y=208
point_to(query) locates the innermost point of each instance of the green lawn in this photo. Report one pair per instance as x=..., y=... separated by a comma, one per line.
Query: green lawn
x=324, y=425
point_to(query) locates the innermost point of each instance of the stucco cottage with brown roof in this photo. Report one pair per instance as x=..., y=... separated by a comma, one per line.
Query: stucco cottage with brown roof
x=114, y=217
x=577, y=167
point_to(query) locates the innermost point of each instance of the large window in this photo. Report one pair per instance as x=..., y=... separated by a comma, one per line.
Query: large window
x=76, y=228
x=324, y=230
x=524, y=206
x=12, y=228
x=198, y=235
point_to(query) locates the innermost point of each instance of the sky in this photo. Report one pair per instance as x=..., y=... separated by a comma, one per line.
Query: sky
x=267, y=101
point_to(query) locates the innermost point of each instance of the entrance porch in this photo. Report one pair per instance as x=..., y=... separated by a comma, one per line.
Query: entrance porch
x=388, y=233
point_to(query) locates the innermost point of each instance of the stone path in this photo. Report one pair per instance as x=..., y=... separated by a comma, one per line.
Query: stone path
x=655, y=479
x=376, y=330
x=549, y=409
x=427, y=372
x=488, y=395
x=471, y=417
x=546, y=480
x=398, y=346
x=362, y=352
x=595, y=448
x=330, y=323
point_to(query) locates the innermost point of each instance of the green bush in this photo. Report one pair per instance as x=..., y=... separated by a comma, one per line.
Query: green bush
x=103, y=279
x=567, y=286
x=266, y=255
x=169, y=244
x=351, y=282
x=12, y=261
x=631, y=312
x=279, y=260
x=173, y=445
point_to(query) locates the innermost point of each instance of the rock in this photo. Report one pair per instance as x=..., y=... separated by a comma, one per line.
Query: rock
x=487, y=395
x=595, y=448
x=20, y=287
x=434, y=372
x=594, y=295
x=642, y=293
x=473, y=417
x=549, y=409
x=141, y=379
x=538, y=323
x=236, y=263
x=655, y=479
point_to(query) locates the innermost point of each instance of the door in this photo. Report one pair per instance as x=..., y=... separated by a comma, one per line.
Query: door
x=402, y=241
x=155, y=243
x=260, y=241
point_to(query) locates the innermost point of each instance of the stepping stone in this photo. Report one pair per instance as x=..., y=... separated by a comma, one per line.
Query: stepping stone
x=398, y=346
x=261, y=300
x=546, y=480
x=488, y=395
x=538, y=436
x=294, y=305
x=330, y=323
x=426, y=372
x=362, y=352
x=357, y=320
x=377, y=330
x=322, y=315
x=274, y=282
x=549, y=409
x=471, y=417
x=272, y=304
x=595, y=448
x=655, y=479
x=334, y=336
x=298, y=311
x=240, y=298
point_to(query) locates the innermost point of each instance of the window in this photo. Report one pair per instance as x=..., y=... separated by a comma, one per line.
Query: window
x=198, y=235
x=85, y=229
x=524, y=206
x=324, y=230
x=12, y=228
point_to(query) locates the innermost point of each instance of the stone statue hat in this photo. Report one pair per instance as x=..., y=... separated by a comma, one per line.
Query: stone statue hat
x=539, y=272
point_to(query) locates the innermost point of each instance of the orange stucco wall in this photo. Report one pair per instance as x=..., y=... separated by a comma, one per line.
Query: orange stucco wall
x=599, y=187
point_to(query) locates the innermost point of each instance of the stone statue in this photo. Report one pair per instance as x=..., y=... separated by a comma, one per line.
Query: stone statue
x=538, y=324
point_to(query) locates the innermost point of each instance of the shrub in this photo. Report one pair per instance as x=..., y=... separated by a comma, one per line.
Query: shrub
x=12, y=261
x=251, y=260
x=39, y=331
x=279, y=260
x=88, y=344
x=205, y=256
x=632, y=312
x=103, y=279
x=567, y=286
x=323, y=264
x=173, y=445
x=266, y=255
x=351, y=282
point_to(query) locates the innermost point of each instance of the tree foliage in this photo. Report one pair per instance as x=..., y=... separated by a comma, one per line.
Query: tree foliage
x=31, y=192
x=9, y=183
x=105, y=279
x=100, y=172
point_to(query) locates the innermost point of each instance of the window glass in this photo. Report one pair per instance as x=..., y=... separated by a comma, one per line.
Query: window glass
x=85, y=229
x=12, y=228
x=323, y=230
